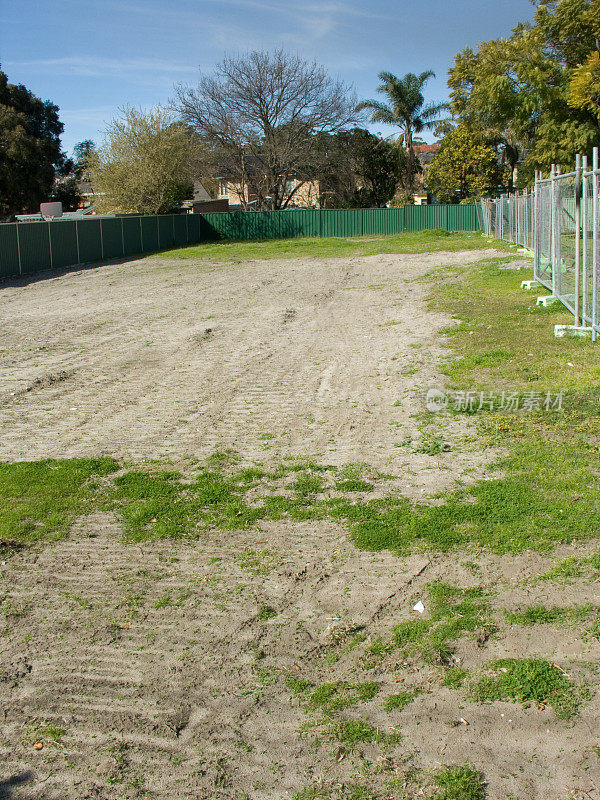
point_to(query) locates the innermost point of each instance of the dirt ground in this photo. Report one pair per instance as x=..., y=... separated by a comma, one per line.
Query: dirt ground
x=153, y=670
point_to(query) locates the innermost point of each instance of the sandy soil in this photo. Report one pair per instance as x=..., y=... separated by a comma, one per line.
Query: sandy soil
x=149, y=671
x=151, y=359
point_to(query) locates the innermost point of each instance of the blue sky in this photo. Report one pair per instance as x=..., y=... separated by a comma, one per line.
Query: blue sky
x=92, y=57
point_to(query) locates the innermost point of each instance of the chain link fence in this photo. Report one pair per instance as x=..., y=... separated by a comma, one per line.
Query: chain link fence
x=559, y=222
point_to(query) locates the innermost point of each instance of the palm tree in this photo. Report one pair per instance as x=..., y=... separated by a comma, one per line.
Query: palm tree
x=407, y=110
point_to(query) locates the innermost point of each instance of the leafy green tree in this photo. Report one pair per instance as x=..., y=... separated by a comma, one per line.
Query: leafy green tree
x=517, y=90
x=69, y=175
x=465, y=168
x=357, y=169
x=30, y=150
x=584, y=88
x=407, y=110
x=146, y=163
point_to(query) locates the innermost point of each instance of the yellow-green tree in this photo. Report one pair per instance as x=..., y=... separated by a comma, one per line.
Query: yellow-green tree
x=584, y=89
x=145, y=164
x=466, y=167
x=520, y=91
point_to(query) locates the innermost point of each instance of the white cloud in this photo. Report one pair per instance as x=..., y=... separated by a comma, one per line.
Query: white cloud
x=91, y=66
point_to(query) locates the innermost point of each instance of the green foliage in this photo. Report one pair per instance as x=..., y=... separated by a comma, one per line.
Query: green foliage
x=584, y=87
x=359, y=170
x=30, y=151
x=459, y=783
x=145, y=164
x=518, y=90
x=465, y=167
x=530, y=680
x=40, y=499
x=406, y=110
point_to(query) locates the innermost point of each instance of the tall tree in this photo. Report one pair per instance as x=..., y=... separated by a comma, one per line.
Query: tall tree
x=261, y=112
x=406, y=110
x=69, y=175
x=357, y=169
x=145, y=164
x=465, y=168
x=519, y=91
x=30, y=150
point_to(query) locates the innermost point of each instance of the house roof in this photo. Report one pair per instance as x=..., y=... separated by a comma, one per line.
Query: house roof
x=427, y=148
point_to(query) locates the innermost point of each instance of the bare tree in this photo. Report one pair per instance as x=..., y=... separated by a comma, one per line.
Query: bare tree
x=260, y=111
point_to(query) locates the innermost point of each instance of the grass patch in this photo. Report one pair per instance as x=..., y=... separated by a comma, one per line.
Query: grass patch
x=331, y=697
x=530, y=680
x=335, y=247
x=398, y=701
x=40, y=499
x=540, y=615
x=265, y=613
x=568, y=569
x=453, y=612
x=352, y=732
x=459, y=783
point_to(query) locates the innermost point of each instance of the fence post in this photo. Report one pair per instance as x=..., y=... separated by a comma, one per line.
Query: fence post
x=536, y=226
x=77, y=240
x=553, y=228
x=19, y=249
x=577, y=234
x=584, y=238
x=50, y=245
x=595, y=233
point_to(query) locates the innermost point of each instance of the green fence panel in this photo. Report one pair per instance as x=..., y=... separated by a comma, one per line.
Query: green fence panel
x=299, y=223
x=112, y=238
x=63, y=240
x=132, y=235
x=166, y=237
x=34, y=246
x=383, y=221
x=90, y=242
x=420, y=218
x=9, y=251
x=206, y=230
x=343, y=222
x=149, y=234
x=180, y=234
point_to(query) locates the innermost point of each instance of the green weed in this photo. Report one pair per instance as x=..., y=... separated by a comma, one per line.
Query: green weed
x=40, y=499
x=530, y=680
x=539, y=615
x=459, y=783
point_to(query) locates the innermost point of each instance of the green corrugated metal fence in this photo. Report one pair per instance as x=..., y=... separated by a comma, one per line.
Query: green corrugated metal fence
x=27, y=247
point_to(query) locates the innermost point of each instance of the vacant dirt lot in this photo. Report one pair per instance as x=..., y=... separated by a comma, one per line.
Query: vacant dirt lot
x=169, y=670
x=152, y=359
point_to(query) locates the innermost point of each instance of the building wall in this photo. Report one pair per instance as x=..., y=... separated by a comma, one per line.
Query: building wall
x=307, y=196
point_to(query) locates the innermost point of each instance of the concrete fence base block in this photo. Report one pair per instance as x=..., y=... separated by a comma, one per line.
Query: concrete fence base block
x=571, y=330
x=547, y=300
x=529, y=284
x=550, y=299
